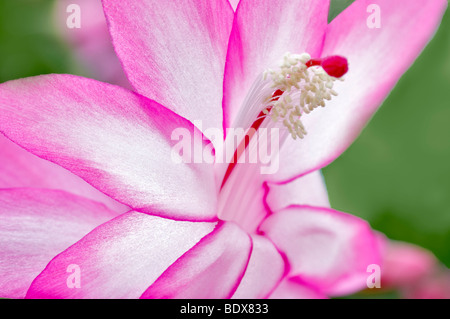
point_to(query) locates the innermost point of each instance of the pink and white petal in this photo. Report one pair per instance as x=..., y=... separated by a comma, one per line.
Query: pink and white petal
x=241, y=199
x=117, y=140
x=263, y=31
x=405, y=264
x=377, y=59
x=307, y=190
x=264, y=271
x=21, y=169
x=174, y=52
x=326, y=248
x=293, y=288
x=120, y=258
x=35, y=226
x=212, y=269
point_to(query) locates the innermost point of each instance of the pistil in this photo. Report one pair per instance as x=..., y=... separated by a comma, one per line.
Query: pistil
x=253, y=129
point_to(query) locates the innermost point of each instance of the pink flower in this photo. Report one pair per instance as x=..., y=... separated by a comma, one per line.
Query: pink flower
x=413, y=271
x=405, y=264
x=199, y=229
x=433, y=287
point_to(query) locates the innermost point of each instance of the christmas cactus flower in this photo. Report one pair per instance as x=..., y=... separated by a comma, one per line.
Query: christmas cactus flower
x=134, y=194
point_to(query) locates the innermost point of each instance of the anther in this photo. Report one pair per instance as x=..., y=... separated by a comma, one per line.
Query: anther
x=301, y=84
x=335, y=65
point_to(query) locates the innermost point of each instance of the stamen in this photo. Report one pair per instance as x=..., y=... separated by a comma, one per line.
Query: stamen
x=280, y=96
x=299, y=86
x=306, y=84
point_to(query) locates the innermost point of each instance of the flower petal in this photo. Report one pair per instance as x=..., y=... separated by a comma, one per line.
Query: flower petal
x=262, y=32
x=264, y=271
x=241, y=199
x=292, y=288
x=19, y=169
x=174, y=52
x=119, y=259
x=211, y=269
x=327, y=249
x=307, y=190
x=377, y=59
x=116, y=140
x=35, y=226
x=435, y=287
x=405, y=264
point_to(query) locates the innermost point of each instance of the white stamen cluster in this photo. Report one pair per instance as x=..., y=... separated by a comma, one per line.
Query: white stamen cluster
x=304, y=90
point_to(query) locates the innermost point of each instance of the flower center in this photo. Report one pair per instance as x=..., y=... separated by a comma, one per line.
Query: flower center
x=278, y=98
x=307, y=83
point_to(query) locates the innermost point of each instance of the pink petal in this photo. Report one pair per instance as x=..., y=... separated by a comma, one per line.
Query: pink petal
x=307, y=190
x=327, y=249
x=264, y=271
x=405, y=264
x=262, y=32
x=241, y=199
x=174, y=52
x=377, y=59
x=119, y=259
x=19, y=168
x=293, y=288
x=35, y=226
x=116, y=140
x=435, y=287
x=212, y=269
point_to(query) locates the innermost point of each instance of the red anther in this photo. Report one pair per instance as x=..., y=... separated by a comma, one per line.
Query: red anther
x=334, y=65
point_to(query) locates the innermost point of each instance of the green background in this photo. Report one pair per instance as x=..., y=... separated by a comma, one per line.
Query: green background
x=396, y=175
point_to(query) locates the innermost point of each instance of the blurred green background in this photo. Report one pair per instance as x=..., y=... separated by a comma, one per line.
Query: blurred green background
x=28, y=42
x=396, y=175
